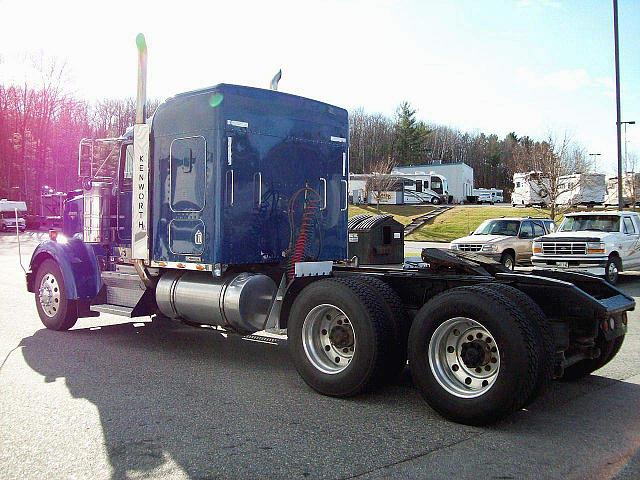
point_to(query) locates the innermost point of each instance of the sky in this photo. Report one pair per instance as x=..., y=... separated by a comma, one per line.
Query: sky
x=534, y=67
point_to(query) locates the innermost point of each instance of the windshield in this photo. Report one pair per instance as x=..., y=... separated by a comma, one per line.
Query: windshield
x=498, y=227
x=597, y=223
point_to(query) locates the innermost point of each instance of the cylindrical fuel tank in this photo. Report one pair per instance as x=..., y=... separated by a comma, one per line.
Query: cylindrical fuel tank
x=238, y=300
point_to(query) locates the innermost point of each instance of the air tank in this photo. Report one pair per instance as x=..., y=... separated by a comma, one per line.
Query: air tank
x=239, y=301
x=97, y=213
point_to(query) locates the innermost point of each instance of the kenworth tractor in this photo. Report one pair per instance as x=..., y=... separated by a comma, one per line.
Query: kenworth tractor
x=227, y=209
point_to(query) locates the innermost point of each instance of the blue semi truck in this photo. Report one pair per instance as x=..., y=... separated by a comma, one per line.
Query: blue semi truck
x=227, y=208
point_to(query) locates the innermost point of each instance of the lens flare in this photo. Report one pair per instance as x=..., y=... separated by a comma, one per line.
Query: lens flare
x=216, y=99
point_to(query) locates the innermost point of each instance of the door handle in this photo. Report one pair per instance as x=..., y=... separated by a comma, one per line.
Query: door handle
x=230, y=188
x=346, y=195
x=258, y=203
x=324, y=194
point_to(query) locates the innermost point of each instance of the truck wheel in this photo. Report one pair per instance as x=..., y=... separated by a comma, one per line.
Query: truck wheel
x=547, y=344
x=508, y=261
x=340, y=337
x=608, y=350
x=473, y=354
x=435, y=200
x=400, y=324
x=56, y=311
x=612, y=270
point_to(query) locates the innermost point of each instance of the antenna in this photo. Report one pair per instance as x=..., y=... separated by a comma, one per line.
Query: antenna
x=274, y=81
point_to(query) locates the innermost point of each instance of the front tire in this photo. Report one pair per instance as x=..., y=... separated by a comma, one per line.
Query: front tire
x=436, y=201
x=340, y=337
x=612, y=270
x=473, y=355
x=55, y=310
x=508, y=261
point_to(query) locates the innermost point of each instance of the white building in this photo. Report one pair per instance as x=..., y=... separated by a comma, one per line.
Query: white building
x=459, y=177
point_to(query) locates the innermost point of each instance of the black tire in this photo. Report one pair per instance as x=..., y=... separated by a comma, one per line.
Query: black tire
x=546, y=343
x=608, y=350
x=612, y=269
x=436, y=200
x=373, y=331
x=514, y=334
x=400, y=324
x=508, y=260
x=64, y=313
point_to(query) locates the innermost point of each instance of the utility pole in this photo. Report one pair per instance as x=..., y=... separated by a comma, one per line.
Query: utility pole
x=618, y=124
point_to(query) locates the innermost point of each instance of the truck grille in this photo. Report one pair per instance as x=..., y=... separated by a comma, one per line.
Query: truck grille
x=564, y=248
x=470, y=247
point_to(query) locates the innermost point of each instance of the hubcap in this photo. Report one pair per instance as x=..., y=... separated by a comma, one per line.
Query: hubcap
x=613, y=271
x=508, y=263
x=464, y=357
x=328, y=339
x=49, y=295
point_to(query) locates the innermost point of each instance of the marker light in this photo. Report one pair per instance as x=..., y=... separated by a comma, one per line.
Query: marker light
x=595, y=247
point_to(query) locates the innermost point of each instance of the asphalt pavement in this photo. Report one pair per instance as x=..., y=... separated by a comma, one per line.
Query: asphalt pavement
x=115, y=398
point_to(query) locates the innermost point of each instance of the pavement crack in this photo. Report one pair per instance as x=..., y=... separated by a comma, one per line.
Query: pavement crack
x=416, y=456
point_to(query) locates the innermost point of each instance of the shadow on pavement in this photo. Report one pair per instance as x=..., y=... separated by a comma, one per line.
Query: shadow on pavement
x=231, y=408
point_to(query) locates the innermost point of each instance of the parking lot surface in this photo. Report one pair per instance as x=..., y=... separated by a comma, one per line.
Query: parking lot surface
x=115, y=398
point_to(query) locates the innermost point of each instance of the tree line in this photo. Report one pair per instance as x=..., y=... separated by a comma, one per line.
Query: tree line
x=378, y=140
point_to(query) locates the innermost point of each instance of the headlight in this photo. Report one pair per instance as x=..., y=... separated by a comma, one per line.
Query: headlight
x=489, y=248
x=595, y=247
x=454, y=246
x=537, y=247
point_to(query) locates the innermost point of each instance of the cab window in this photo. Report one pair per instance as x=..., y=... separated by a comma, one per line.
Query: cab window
x=629, y=228
x=526, y=230
x=538, y=229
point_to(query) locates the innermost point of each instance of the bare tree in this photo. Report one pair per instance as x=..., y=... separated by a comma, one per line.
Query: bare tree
x=554, y=158
x=381, y=180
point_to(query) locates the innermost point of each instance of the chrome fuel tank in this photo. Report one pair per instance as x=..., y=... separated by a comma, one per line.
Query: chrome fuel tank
x=239, y=301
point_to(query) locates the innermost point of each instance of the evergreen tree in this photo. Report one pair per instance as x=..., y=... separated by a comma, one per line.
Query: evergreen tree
x=409, y=145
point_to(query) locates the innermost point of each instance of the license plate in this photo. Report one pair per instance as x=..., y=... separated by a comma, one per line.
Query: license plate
x=562, y=264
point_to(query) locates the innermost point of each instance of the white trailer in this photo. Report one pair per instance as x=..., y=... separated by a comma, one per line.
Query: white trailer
x=530, y=188
x=630, y=189
x=581, y=189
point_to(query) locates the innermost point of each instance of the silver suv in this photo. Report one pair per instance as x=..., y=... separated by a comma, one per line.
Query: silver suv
x=508, y=240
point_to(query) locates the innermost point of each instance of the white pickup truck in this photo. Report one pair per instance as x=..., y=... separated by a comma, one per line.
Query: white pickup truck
x=603, y=243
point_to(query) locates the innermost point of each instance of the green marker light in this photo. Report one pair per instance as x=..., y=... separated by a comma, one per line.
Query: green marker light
x=141, y=43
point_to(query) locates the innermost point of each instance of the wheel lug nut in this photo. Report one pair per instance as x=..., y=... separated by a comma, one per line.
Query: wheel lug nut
x=494, y=360
x=345, y=350
x=450, y=349
x=488, y=340
x=485, y=383
x=327, y=348
x=337, y=359
x=324, y=332
x=467, y=381
x=479, y=335
x=470, y=337
x=487, y=367
x=478, y=370
x=455, y=368
x=339, y=322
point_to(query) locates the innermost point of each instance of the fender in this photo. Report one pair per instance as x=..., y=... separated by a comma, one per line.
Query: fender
x=77, y=262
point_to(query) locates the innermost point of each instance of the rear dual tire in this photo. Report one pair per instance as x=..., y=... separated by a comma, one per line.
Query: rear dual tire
x=344, y=337
x=477, y=356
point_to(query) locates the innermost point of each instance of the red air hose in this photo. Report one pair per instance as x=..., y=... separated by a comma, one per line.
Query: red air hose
x=304, y=235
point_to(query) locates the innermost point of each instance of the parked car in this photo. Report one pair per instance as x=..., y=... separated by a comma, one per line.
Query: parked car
x=8, y=222
x=602, y=243
x=508, y=240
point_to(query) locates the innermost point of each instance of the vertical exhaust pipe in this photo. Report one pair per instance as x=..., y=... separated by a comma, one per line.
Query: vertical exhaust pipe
x=141, y=96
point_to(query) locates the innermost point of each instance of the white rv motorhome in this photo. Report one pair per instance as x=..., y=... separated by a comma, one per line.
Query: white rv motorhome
x=489, y=195
x=581, y=189
x=630, y=189
x=425, y=188
x=530, y=188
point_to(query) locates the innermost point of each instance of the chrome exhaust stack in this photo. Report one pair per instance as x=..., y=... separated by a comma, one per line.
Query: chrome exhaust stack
x=141, y=96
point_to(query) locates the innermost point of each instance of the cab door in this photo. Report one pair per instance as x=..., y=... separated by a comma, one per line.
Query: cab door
x=187, y=199
x=630, y=240
x=525, y=242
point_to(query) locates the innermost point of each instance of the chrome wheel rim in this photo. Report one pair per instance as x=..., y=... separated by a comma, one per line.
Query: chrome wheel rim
x=464, y=357
x=49, y=295
x=612, y=272
x=328, y=338
x=508, y=263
